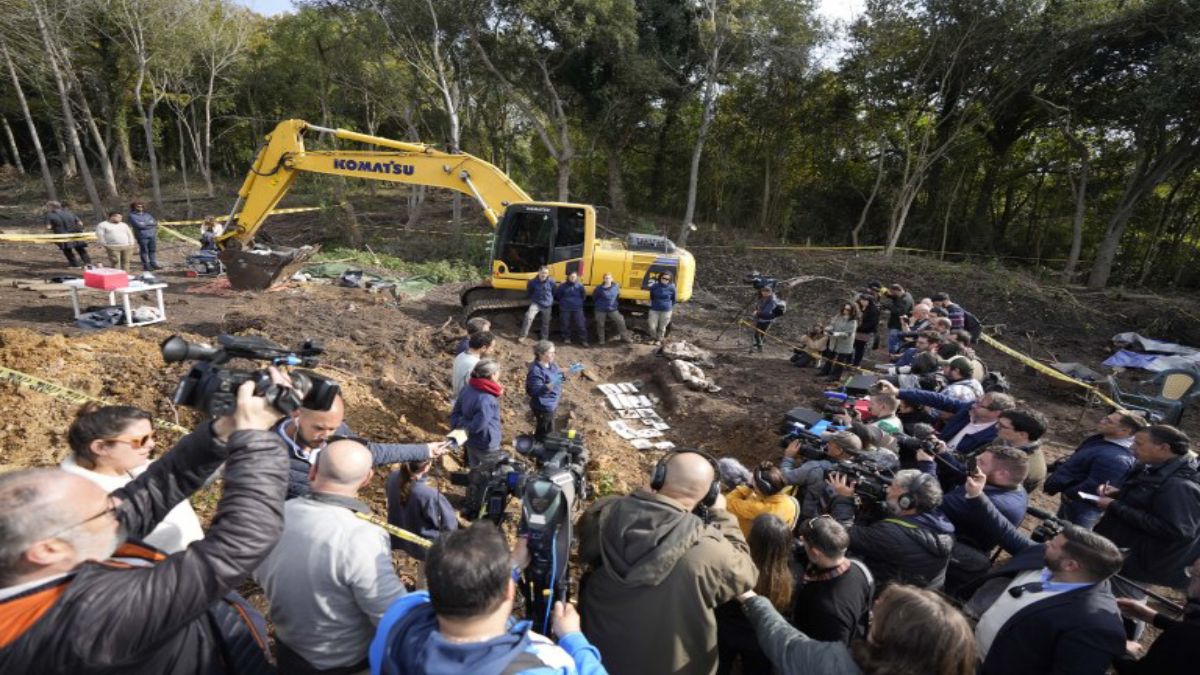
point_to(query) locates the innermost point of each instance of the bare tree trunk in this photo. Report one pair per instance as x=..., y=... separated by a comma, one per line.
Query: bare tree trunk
x=68, y=115
x=1152, y=244
x=120, y=125
x=187, y=192
x=862, y=217
x=65, y=158
x=47, y=177
x=949, y=214
x=12, y=144
x=765, y=207
x=710, y=103
x=106, y=167
x=616, y=187
x=1079, y=193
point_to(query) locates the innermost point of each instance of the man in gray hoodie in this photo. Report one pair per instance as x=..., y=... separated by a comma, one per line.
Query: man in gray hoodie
x=656, y=570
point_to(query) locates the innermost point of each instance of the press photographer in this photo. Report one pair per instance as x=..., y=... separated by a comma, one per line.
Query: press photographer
x=314, y=407
x=912, y=543
x=71, y=608
x=658, y=561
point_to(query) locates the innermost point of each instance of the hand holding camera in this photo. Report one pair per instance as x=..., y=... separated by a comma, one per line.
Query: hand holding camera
x=976, y=481
x=253, y=412
x=841, y=484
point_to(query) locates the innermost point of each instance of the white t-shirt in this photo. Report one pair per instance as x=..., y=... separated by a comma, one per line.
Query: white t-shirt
x=464, y=363
x=173, y=534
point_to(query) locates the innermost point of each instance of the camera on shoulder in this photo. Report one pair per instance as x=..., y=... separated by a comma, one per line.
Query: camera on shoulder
x=211, y=388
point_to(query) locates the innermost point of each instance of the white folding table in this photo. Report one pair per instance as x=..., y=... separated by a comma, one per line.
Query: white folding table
x=134, y=286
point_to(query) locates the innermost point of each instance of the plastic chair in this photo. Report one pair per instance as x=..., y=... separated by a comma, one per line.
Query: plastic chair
x=1172, y=391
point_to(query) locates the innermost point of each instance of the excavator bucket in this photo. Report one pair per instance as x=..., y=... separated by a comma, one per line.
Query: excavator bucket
x=257, y=269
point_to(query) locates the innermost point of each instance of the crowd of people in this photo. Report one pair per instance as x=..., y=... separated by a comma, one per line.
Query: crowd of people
x=869, y=548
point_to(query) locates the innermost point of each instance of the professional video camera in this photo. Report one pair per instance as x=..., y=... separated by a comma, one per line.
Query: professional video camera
x=758, y=280
x=550, y=496
x=870, y=480
x=923, y=438
x=1048, y=529
x=212, y=389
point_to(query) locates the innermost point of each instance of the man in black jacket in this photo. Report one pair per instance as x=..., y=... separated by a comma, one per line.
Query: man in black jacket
x=913, y=545
x=307, y=432
x=65, y=607
x=1049, y=609
x=1156, y=511
x=61, y=220
x=1177, y=649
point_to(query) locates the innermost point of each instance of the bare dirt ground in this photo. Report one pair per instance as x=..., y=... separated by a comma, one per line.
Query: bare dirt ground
x=393, y=357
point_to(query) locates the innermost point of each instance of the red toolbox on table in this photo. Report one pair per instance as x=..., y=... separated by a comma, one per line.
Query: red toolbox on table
x=105, y=279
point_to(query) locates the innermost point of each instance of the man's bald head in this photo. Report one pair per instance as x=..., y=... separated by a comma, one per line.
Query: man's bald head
x=37, y=503
x=342, y=467
x=689, y=477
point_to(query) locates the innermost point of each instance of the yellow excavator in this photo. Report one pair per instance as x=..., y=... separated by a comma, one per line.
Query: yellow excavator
x=528, y=235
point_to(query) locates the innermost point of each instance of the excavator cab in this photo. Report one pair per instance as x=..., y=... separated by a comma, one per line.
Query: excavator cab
x=532, y=235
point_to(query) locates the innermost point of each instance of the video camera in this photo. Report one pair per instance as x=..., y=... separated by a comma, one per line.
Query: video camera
x=1050, y=526
x=550, y=497
x=213, y=390
x=870, y=480
x=760, y=281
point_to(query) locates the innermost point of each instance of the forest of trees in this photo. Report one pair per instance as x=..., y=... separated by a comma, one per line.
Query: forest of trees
x=1058, y=133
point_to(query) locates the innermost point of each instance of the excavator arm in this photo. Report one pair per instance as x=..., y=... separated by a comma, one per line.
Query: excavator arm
x=284, y=155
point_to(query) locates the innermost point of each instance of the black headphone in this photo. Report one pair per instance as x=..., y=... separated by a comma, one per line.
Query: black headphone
x=659, y=477
x=909, y=499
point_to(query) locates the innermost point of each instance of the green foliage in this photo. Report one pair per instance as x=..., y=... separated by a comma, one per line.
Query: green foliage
x=438, y=271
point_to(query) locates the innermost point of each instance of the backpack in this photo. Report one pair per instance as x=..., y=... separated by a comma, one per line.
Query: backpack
x=780, y=309
x=995, y=381
x=972, y=325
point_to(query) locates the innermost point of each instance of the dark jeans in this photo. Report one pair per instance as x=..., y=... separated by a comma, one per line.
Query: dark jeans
x=760, y=334
x=573, y=325
x=543, y=423
x=71, y=248
x=831, y=369
x=860, y=348
x=148, y=249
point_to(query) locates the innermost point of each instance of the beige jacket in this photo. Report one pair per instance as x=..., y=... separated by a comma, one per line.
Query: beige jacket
x=115, y=234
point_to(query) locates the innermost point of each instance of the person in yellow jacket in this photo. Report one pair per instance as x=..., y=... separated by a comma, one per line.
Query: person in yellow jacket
x=764, y=494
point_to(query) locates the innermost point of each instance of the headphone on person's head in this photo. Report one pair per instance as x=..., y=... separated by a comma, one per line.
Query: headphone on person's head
x=908, y=500
x=659, y=477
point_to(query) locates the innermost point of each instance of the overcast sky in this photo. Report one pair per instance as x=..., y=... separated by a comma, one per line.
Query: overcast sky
x=833, y=9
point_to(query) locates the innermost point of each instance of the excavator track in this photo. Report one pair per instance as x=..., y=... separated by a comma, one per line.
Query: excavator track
x=483, y=299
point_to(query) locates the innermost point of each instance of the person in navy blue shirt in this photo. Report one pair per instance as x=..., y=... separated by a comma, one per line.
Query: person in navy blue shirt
x=662, y=303
x=543, y=384
x=477, y=411
x=570, y=295
x=541, y=300
x=605, y=302
x=416, y=506
x=764, y=314
x=1103, y=458
x=145, y=230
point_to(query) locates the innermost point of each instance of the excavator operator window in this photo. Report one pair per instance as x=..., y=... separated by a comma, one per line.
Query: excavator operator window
x=525, y=239
x=568, y=241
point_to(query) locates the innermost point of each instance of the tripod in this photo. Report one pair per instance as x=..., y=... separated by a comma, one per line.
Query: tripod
x=737, y=317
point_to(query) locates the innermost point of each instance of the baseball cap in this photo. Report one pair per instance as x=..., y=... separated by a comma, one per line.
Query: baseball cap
x=962, y=364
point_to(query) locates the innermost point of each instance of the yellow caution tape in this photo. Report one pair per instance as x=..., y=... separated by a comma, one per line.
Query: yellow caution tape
x=393, y=530
x=1047, y=370
x=23, y=238
x=65, y=394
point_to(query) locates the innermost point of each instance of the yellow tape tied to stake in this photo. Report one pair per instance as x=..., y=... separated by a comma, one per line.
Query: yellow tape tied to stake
x=66, y=394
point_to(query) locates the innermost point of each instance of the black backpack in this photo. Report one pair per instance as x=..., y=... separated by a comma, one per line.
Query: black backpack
x=780, y=309
x=972, y=325
x=995, y=381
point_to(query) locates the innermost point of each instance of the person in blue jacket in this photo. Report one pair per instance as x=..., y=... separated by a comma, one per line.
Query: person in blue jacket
x=464, y=622
x=606, y=303
x=416, y=506
x=541, y=300
x=764, y=314
x=543, y=384
x=662, y=303
x=477, y=411
x=145, y=230
x=570, y=295
x=1103, y=458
